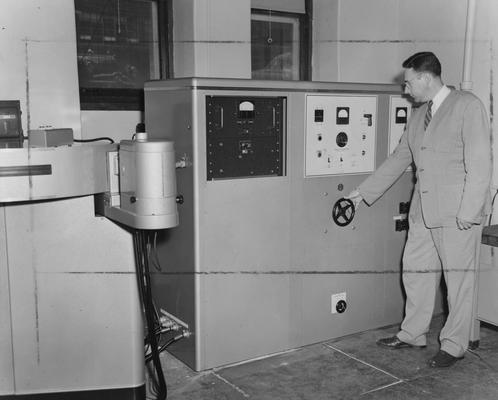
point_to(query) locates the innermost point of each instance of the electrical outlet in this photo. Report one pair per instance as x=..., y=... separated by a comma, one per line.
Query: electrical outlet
x=338, y=303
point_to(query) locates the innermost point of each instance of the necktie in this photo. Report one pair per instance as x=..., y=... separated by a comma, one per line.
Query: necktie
x=428, y=114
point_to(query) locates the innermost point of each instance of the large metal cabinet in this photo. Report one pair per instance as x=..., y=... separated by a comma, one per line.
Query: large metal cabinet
x=70, y=313
x=257, y=262
x=487, y=304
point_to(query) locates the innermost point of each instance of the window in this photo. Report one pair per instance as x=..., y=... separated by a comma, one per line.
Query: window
x=120, y=45
x=280, y=45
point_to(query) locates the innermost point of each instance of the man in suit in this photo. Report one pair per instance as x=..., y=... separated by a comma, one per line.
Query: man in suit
x=448, y=140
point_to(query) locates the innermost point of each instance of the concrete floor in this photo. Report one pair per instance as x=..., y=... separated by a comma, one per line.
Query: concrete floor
x=352, y=367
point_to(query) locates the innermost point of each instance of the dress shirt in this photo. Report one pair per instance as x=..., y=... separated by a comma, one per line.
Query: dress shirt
x=439, y=98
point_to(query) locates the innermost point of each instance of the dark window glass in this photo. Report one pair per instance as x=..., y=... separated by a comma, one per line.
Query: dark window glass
x=118, y=50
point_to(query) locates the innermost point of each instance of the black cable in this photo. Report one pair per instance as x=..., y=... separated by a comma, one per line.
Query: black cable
x=159, y=337
x=138, y=271
x=156, y=315
x=154, y=256
x=159, y=331
x=152, y=319
x=149, y=313
x=165, y=345
x=143, y=277
x=141, y=272
x=94, y=140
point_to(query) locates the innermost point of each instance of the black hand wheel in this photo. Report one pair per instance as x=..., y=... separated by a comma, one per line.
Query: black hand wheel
x=343, y=212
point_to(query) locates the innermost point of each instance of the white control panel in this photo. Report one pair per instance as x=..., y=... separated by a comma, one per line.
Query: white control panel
x=340, y=134
x=400, y=110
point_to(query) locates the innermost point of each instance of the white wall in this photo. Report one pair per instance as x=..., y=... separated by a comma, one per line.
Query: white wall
x=38, y=63
x=373, y=37
x=325, y=60
x=212, y=39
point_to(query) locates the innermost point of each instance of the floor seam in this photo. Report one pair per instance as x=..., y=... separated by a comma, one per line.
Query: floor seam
x=398, y=380
x=231, y=384
x=382, y=387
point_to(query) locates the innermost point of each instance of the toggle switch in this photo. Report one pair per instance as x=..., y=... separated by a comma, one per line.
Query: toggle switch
x=404, y=207
x=369, y=119
x=401, y=225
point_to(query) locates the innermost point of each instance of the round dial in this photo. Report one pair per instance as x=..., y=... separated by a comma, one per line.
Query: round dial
x=341, y=139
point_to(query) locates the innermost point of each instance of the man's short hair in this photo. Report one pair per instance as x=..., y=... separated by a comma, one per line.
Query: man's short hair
x=424, y=61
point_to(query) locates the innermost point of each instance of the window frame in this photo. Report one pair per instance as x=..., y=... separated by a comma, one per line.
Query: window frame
x=132, y=99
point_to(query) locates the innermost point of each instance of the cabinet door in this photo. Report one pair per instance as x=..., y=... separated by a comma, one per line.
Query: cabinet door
x=488, y=282
x=6, y=365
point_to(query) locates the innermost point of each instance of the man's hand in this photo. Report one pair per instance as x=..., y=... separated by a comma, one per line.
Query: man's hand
x=355, y=197
x=463, y=225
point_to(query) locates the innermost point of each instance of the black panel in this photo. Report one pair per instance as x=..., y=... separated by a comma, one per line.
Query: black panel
x=245, y=136
x=26, y=170
x=11, y=134
x=137, y=393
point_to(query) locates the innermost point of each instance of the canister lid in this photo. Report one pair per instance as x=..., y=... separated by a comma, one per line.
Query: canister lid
x=149, y=146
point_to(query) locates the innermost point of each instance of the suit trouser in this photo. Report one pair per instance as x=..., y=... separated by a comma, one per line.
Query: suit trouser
x=427, y=252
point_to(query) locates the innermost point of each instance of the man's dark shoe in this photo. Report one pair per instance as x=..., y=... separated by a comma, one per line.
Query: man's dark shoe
x=442, y=359
x=394, y=343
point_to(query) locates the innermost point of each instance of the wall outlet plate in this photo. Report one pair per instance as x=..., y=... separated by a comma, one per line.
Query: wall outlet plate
x=335, y=299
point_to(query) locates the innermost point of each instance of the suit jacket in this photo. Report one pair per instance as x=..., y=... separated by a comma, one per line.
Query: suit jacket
x=453, y=163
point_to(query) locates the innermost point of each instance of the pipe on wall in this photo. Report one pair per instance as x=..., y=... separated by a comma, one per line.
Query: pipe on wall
x=467, y=54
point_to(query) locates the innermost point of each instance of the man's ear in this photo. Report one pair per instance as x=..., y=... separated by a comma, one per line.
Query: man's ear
x=427, y=77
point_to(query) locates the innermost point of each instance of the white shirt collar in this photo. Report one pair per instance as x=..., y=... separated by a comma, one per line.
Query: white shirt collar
x=439, y=98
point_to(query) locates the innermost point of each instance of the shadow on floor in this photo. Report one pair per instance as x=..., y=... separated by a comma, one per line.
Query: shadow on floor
x=351, y=367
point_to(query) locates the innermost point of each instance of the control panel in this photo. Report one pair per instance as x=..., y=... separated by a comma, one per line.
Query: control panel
x=400, y=111
x=245, y=136
x=340, y=134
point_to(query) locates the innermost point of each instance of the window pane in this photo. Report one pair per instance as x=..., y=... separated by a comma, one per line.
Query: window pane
x=275, y=47
x=116, y=43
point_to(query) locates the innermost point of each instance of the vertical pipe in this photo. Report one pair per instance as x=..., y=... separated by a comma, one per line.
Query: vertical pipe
x=467, y=54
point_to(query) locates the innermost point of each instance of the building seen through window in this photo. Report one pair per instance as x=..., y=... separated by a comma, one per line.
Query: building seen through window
x=118, y=50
